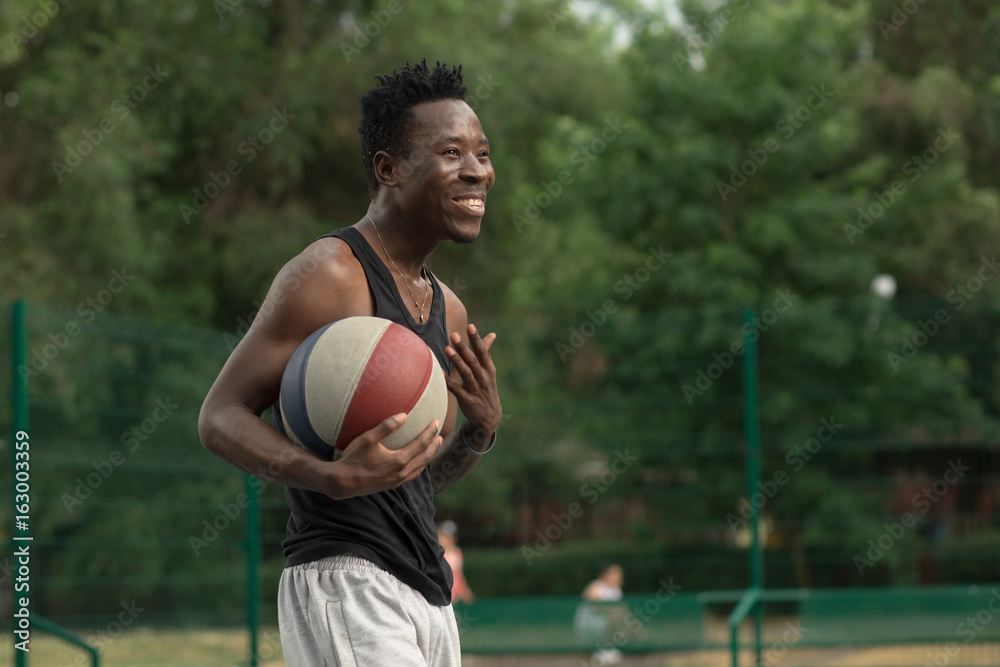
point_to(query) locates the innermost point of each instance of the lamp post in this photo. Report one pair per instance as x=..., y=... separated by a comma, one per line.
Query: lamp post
x=883, y=289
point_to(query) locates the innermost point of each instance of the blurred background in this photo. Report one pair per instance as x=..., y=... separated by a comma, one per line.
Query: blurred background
x=816, y=182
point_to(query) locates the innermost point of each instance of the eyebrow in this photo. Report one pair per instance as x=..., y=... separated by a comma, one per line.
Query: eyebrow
x=454, y=139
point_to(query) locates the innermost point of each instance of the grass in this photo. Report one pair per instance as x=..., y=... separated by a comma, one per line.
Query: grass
x=152, y=647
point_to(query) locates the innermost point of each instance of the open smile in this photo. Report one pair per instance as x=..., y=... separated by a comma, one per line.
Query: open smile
x=474, y=205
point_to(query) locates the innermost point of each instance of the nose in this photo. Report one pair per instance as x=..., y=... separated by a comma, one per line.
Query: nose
x=476, y=171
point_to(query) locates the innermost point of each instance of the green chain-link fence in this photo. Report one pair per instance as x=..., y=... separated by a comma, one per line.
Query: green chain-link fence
x=623, y=441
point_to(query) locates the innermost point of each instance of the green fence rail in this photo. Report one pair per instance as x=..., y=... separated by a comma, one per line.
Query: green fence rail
x=40, y=623
x=798, y=619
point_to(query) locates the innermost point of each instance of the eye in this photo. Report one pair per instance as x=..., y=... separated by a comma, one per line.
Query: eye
x=451, y=151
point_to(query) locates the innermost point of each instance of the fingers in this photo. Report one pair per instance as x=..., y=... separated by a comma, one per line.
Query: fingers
x=374, y=436
x=385, y=428
x=425, y=457
x=378, y=468
x=475, y=342
x=481, y=346
x=427, y=440
x=421, y=450
x=473, y=361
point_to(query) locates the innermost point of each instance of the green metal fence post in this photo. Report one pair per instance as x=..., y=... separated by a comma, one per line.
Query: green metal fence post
x=37, y=622
x=19, y=422
x=752, y=428
x=253, y=566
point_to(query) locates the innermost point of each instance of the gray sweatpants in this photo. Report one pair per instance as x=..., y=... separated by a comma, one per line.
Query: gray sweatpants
x=344, y=611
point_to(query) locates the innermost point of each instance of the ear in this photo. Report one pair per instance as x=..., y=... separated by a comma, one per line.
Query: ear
x=387, y=169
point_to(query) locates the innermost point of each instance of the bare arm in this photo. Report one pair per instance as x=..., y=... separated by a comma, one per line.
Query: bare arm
x=322, y=285
x=473, y=387
x=592, y=591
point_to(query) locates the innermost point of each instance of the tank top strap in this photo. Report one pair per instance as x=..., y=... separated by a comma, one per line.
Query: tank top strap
x=389, y=303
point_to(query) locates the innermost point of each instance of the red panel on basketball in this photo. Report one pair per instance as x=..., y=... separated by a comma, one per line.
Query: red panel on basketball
x=397, y=372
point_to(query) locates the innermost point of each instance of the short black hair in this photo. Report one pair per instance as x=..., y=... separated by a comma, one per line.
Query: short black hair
x=386, y=109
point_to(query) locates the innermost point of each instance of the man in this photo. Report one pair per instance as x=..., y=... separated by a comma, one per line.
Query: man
x=365, y=580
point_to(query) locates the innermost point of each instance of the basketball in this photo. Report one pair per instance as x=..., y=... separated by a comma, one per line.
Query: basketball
x=350, y=375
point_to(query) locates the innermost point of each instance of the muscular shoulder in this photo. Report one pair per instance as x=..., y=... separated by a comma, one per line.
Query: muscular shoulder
x=323, y=283
x=327, y=262
x=458, y=317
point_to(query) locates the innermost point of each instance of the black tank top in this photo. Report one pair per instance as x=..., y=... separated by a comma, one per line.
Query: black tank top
x=394, y=529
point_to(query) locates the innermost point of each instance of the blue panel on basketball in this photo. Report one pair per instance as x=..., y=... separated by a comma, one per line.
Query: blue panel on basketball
x=293, y=383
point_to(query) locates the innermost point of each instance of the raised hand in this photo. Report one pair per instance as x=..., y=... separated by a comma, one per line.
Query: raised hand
x=477, y=392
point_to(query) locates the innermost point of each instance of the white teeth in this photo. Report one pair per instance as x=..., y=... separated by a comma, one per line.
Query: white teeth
x=472, y=203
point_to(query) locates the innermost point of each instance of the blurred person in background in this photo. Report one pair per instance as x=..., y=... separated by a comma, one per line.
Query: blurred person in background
x=460, y=591
x=596, y=620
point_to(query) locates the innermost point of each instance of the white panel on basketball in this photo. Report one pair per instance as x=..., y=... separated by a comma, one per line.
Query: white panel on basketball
x=334, y=370
x=432, y=404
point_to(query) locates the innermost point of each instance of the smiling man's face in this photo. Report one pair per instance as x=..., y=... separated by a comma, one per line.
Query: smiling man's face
x=447, y=172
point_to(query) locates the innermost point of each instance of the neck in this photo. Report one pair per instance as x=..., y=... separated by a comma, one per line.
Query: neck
x=407, y=248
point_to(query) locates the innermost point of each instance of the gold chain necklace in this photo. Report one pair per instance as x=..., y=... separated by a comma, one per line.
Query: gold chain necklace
x=406, y=283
